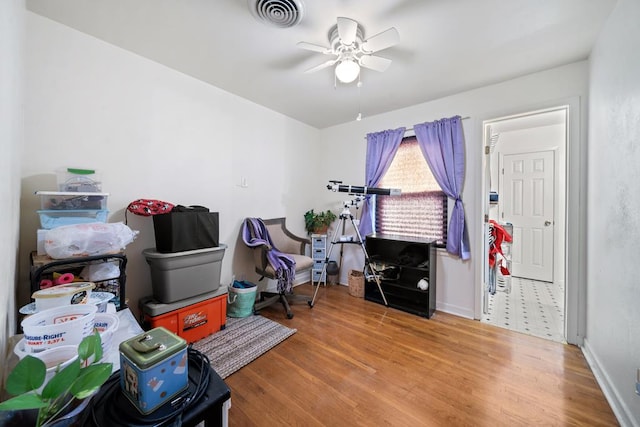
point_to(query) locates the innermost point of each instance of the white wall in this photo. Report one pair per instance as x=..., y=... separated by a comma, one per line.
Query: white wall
x=11, y=138
x=155, y=133
x=613, y=294
x=345, y=148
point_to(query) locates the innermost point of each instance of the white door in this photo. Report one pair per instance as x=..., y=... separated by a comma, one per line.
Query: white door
x=527, y=203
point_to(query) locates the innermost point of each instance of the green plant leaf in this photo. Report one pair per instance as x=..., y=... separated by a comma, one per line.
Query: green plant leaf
x=24, y=401
x=315, y=221
x=61, y=381
x=91, y=379
x=28, y=375
x=98, y=347
x=87, y=347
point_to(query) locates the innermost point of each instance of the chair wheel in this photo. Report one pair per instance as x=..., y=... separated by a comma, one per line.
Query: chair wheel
x=289, y=315
x=310, y=304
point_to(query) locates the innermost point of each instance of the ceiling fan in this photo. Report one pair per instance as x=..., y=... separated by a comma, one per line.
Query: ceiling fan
x=352, y=51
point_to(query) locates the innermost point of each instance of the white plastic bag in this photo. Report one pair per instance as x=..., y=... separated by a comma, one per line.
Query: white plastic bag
x=100, y=272
x=96, y=238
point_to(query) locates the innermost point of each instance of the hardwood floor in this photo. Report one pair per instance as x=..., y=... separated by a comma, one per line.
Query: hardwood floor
x=354, y=362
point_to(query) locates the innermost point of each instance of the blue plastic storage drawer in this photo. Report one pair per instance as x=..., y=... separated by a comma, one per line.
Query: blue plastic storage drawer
x=55, y=218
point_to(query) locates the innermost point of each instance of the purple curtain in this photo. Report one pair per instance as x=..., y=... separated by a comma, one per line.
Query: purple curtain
x=381, y=148
x=442, y=144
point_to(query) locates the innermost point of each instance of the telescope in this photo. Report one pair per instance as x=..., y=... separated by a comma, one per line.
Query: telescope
x=359, y=193
x=356, y=189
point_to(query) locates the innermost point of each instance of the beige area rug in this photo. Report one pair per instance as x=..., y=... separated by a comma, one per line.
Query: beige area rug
x=241, y=342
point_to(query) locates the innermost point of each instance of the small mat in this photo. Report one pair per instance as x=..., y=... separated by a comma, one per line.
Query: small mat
x=241, y=342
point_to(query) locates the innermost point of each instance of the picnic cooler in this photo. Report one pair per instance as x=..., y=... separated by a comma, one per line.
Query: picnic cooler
x=153, y=368
x=186, y=228
x=181, y=275
x=192, y=318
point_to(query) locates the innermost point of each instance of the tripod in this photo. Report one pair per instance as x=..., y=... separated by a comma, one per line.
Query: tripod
x=344, y=215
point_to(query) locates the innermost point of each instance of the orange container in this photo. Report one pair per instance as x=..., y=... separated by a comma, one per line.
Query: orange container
x=192, y=322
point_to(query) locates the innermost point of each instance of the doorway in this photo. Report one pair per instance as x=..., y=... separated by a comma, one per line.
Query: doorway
x=525, y=173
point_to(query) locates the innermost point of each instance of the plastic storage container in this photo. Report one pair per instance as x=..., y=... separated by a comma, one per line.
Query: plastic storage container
x=56, y=218
x=79, y=180
x=192, y=318
x=58, y=200
x=67, y=294
x=106, y=324
x=180, y=275
x=64, y=325
x=153, y=368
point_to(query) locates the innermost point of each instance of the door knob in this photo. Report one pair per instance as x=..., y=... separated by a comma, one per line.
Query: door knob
x=547, y=223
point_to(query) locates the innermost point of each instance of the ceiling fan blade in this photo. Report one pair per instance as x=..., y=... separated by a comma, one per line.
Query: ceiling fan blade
x=381, y=40
x=314, y=47
x=347, y=30
x=375, y=63
x=325, y=64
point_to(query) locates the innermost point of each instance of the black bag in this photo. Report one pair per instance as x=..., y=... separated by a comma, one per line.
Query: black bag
x=186, y=228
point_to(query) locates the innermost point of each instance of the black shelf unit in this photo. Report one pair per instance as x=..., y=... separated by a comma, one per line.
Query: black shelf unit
x=411, y=259
x=43, y=267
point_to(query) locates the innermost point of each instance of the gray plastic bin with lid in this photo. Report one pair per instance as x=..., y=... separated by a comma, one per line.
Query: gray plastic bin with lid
x=180, y=275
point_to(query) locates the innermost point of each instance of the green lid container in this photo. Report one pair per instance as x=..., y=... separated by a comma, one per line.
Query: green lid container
x=152, y=347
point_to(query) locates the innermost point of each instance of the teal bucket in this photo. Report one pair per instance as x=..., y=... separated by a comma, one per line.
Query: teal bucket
x=241, y=298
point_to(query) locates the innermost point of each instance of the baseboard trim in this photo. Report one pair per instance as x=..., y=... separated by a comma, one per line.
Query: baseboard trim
x=619, y=408
x=454, y=309
x=302, y=278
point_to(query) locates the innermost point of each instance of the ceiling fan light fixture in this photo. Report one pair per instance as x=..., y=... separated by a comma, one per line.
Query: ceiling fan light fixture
x=347, y=70
x=352, y=52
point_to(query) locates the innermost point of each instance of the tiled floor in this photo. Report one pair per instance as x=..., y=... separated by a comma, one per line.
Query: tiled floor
x=531, y=307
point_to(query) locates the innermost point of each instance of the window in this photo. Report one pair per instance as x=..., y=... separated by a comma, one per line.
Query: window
x=421, y=209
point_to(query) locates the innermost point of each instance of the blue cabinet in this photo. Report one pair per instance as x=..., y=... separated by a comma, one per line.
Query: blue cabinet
x=319, y=256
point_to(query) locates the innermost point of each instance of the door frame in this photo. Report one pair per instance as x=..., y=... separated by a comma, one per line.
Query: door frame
x=575, y=217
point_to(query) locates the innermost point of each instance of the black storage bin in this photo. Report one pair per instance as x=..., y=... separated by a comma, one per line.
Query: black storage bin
x=186, y=229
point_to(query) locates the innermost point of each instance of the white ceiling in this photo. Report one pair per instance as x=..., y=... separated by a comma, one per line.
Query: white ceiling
x=446, y=46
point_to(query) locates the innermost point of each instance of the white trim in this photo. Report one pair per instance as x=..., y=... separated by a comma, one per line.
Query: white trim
x=302, y=278
x=619, y=408
x=454, y=309
x=576, y=205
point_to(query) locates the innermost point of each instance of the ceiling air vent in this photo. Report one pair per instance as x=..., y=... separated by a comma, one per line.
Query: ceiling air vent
x=277, y=13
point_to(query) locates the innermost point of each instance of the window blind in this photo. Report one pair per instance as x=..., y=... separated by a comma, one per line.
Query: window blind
x=421, y=209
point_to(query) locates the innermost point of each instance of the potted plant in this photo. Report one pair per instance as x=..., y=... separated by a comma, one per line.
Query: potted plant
x=318, y=222
x=64, y=391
